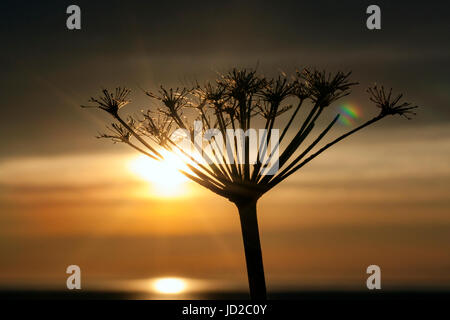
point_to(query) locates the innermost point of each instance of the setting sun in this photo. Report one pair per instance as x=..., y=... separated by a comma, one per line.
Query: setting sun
x=164, y=176
x=169, y=285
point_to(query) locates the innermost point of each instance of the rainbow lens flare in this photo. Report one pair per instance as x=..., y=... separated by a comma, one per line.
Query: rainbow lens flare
x=349, y=113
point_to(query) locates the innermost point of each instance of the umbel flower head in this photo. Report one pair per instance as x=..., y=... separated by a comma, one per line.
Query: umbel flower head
x=390, y=105
x=234, y=101
x=111, y=102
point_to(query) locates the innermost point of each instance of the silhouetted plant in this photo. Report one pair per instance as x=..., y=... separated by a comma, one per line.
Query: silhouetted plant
x=232, y=102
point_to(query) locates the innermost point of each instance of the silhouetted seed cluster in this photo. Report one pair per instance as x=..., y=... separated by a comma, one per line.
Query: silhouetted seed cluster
x=174, y=102
x=390, y=105
x=272, y=94
x=232, y=102
x=325, y=88
x=111, y=102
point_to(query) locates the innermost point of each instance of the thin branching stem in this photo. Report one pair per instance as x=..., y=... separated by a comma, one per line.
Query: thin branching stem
x=328, y=145
x=138, y=137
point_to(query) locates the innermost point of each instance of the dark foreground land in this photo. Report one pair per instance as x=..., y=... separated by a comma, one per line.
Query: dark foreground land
x=281, y=305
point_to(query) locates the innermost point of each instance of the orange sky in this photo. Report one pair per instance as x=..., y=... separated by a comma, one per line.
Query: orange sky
x=384, y=203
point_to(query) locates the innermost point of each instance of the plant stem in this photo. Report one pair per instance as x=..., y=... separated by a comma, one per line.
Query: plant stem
x=252, y=247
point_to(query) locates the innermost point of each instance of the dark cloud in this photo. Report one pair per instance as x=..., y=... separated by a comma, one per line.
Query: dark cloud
x=48, y=71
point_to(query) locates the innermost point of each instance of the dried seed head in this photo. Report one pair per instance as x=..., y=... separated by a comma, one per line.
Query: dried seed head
x=277, y=90
x=239, y=84
x=325, y=88
x=390, y=105
x=111, y=102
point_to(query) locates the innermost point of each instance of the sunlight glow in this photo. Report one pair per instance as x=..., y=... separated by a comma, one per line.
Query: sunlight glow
x=169, y=285
x=164, y=176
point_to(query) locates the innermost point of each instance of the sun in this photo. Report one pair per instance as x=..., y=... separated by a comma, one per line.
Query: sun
x=169, y=285
x=164, y=176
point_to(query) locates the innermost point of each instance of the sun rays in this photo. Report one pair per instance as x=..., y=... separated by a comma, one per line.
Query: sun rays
x=163, y=176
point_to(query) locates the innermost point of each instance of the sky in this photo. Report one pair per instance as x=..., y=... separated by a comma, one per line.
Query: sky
x=381, y=197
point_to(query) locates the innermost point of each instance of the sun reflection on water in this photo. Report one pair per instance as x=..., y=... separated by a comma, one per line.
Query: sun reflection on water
x=172, y=288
